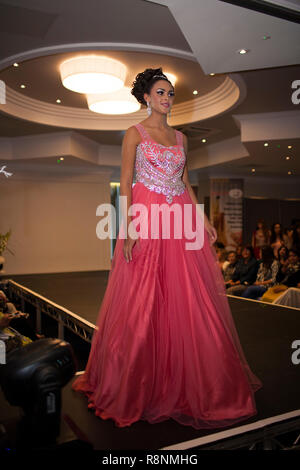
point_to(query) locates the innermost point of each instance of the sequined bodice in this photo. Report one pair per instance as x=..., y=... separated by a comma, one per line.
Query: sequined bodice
x=159, y=167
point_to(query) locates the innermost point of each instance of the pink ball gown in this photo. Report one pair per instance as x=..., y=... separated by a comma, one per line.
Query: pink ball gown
x=166, y=345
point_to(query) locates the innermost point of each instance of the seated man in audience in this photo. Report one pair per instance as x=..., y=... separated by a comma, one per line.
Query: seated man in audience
x=244, y=274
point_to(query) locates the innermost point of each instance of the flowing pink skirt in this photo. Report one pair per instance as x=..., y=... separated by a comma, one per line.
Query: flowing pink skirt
x=166, y=345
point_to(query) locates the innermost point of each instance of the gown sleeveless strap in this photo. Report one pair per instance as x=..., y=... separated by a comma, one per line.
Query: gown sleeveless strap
x=145, y=136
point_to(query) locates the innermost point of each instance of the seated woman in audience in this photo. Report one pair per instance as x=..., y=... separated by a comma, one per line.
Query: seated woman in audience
x=288, y=276
x=16, y=319
x=244, y=274
x=230, y=267
x=282, y=254
x=266, y=274
x=276, y=239
x=260, y=238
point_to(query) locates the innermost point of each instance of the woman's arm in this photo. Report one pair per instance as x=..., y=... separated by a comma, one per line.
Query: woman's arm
x=130, y=142
x=185, y=178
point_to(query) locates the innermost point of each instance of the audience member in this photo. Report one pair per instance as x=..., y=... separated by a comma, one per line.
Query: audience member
x=288, y=276
x=229, y=269
x=260, y=238
x=244, y=274
x=266, y=275
x=276, y=239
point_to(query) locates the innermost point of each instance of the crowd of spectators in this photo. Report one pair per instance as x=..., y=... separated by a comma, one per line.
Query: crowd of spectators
x=16, y=327
x=266, y=267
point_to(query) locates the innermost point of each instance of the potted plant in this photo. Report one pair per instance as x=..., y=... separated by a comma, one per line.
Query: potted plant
x=4, y=237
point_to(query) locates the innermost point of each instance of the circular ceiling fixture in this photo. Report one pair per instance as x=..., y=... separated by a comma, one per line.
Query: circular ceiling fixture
x=92, y=74
x=119, y=102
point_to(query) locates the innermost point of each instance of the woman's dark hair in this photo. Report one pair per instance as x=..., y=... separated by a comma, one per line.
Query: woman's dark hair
x=267, y=255
x=229, y=253
x=274, y=235
x=144, y=81
x=286, y=252
x=250, y=248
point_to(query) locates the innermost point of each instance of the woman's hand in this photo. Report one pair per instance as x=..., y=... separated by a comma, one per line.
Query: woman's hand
x=213, y=235
x=128, y=246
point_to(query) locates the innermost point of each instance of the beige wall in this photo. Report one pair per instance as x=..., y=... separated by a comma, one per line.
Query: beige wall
x=53, y=221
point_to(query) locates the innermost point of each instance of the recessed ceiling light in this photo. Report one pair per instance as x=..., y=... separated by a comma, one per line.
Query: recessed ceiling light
x=203, y=140
x=287, y=158
x=243, y=51
x=289, y=172
x=23, y=86
x=16, y=64
x=212, y=74
x=266, y=144
x=253, y=170
x=58, y=101
x=93, y=74
x=289, y=147
x=195, y=92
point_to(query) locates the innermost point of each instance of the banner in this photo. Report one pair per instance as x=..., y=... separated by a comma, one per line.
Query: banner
x=226, y=210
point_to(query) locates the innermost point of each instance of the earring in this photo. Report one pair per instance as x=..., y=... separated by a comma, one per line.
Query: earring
x=149, y=110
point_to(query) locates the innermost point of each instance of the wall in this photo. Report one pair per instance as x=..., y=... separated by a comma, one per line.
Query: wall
x=53, y=221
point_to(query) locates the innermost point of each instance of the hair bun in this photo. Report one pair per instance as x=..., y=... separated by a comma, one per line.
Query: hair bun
x=144, y=81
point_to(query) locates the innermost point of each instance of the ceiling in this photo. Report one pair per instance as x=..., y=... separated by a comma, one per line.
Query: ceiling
x=245, y=104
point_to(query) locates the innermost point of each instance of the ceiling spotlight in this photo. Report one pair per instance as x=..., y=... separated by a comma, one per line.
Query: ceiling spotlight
x=203, y=140
x=195, y=92
x=16, y=64
x=266, y=144
x=243, y=51
x=289, y=172
x=253, y=170
x=23, y=86
x=289, y=147
x=92, y=74
x=212, y=74
x=119, y=102
x=287, y=158
x=58, y=101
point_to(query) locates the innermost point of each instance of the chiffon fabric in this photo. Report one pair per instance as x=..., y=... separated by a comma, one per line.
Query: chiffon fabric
x=166, y=346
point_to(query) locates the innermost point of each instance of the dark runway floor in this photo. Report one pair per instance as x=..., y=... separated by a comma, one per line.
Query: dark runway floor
x=266, y=333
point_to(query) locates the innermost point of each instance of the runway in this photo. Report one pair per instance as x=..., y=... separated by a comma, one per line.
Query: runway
x=266, y=332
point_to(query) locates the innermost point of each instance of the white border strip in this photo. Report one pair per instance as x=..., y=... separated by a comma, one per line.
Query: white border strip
x=233, y=432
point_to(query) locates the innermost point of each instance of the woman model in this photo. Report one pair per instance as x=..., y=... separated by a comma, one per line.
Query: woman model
x=165, y=345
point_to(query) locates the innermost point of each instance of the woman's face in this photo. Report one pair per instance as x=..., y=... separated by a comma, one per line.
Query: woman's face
x=277, y=228
x=232, y=258
x=246, y=253
x=282, y=251
x=161, y=96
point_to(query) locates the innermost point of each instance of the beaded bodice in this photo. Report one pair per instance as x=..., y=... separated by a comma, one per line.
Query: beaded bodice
x=159, y=167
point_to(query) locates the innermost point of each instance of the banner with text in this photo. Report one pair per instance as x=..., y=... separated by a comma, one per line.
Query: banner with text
x=226, y=210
